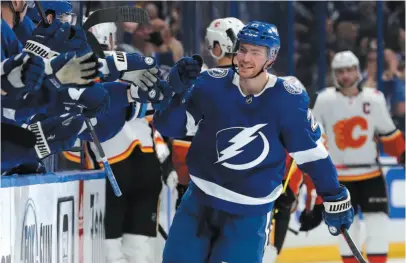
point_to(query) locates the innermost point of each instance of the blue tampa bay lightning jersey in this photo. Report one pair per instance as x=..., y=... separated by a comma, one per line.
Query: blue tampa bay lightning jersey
x=237, y=157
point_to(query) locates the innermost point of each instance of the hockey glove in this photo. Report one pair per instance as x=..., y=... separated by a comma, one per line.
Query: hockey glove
x=71, y=69
x=94, y=100
x=164, y=98
x=185, y=70
x=311, y=219
x=21, y=74
x=338, y=211
x=133, y=68
x=55, y=39
x=56, y=134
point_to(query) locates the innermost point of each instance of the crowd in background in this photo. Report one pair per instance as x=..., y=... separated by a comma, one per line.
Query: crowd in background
x=349, y=25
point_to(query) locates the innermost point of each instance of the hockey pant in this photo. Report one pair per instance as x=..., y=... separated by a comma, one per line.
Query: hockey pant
x=201, y=234
x=131, y=220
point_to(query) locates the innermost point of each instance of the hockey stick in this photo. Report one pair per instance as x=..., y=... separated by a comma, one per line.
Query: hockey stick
x=116, y=15
x=107, y=168
x=41, y=13
x=367, y=165
x=161, y=230
x=355, y=251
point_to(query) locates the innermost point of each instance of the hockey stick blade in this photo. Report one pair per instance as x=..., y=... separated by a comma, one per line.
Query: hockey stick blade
x=107, y=168
x=355, y=251
x=116, y=15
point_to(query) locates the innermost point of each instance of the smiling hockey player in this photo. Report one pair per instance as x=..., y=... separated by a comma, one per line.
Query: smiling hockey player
x=237, y=158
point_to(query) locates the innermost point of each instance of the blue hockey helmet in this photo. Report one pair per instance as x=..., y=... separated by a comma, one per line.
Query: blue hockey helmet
x=261, y=34
x=61, y=8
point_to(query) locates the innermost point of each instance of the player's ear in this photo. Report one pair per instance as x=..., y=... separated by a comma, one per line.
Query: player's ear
x=268, y=64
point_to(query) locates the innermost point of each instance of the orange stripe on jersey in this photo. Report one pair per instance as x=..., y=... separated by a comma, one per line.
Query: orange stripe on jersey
x=393, y=144
x=359, y=177
x=149, y=118
x=179, y=153
x=71, y=157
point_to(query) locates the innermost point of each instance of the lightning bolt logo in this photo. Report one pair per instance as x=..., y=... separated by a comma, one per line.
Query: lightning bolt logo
x=243, y=138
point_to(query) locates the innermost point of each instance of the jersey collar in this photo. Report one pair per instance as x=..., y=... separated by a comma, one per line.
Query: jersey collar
x=271, y=83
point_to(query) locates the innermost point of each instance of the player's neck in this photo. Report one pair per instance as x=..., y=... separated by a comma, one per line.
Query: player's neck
x=224, y=61
x=350, y=92
x=7, y=15
x=255, y=85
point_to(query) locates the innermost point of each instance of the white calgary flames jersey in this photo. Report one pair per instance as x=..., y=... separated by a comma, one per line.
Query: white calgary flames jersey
x=352, y=125
x=136, y=132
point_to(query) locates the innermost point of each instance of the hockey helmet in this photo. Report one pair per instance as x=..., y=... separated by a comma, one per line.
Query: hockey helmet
x=223, y=32
x=61, y=8
x=345, y=59
x=261, y=34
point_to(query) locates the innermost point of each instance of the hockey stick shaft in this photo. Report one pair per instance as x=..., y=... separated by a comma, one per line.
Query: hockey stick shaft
x=366, y=165
x=354, y=249
x=107, y=168
x=161, y=230
x=41, y=13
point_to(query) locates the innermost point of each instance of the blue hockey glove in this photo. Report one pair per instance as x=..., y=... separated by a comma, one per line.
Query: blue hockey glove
x=45, y=41
x=56, y=134
x=57, y=38
x=184, y=71
x=133, y=68
x=165, y=97
x=338, y=211
x=94, y=99
x=21, y=74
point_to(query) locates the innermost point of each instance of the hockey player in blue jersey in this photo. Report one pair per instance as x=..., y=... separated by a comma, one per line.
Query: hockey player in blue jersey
x=237, y=158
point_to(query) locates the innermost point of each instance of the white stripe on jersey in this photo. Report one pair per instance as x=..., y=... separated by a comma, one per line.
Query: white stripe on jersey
x=225, y=194
x=311, y=155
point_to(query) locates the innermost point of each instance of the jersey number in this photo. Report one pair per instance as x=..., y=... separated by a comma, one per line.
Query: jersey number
x=343, y=131
x=313, y=123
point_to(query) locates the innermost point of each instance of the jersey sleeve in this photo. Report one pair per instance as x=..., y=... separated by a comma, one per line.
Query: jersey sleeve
x=317, y=110
x=301, y=136
x=391, y=138
x=182, y=114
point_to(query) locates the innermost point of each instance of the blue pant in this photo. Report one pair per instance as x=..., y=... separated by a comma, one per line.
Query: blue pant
x=200, y=234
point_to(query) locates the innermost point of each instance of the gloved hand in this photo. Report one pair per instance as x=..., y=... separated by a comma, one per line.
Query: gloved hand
x=94, y=99
x=164, y=98
x=57, y=38
x=21, y=74
x=338, y=211
x=311, y=219
x=133, y=68
x=55, y=134
x=185, y=70
x=45, y=41
x=71, y=69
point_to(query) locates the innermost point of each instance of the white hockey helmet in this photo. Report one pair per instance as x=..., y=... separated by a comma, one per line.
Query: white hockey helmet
x=345, y=59
x=103, y=32
x=294, y=81
x=224, y=32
